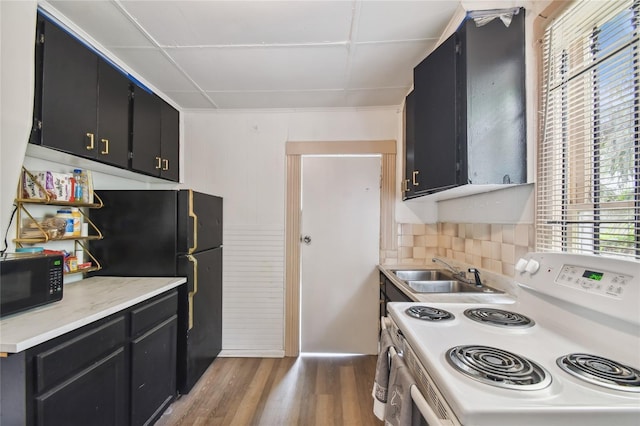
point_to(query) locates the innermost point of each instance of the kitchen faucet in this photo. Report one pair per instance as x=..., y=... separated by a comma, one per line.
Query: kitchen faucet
x=460, y=274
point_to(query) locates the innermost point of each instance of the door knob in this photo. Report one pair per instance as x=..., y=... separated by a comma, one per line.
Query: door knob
x=306, y=239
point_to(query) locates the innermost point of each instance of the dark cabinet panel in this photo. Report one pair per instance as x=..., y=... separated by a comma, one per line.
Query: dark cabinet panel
x=145, y=147
x=469, y=117
x=151, y=353
x=112, y=139
x=409, y=146
x=82, y=102
x=120, y=370
x=390, y=293
x=62, y=360
x=83, y=106
x=68, y=95
x=436, y=161
x=494, y=108
x=170, y=142
x=92, y=397
x=155, y=144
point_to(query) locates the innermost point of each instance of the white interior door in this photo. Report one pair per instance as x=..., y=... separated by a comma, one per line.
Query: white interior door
x=339, y=277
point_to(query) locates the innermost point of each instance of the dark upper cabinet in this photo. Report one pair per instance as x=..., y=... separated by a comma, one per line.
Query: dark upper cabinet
x=409, y=146
x=435, y=149
x=493, y=102
x=155, y=136
x=82, y=103
x=469, y=118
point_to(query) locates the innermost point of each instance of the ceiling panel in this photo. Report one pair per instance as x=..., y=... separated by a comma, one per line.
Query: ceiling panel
x=269, y=68
x=386, y=64
x=403, y=20
x=196, y=100
x=212, y=23
x=104, y=21
x=281, y=99
x=375, y=97
x=155, y=67
x=266, y=54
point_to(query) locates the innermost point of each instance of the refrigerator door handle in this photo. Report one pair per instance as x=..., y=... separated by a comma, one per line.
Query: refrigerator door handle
x=193, y=215
x=195, y=288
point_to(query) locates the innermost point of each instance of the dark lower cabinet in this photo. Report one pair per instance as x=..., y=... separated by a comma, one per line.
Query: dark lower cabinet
x=390, y=293
x=153, y=350
x=91, y=397
x=120, y=370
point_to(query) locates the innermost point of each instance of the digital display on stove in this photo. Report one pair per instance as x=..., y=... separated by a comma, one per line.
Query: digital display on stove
x=592, y=275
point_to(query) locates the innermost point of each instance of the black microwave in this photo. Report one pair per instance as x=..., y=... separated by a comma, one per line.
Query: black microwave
x=27, y=281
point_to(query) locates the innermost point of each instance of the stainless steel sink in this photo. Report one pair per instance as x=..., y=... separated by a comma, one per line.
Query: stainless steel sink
x=442, y=286
x=436, y=281
x=422, y=274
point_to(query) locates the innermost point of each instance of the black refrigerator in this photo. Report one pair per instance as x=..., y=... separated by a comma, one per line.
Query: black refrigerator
x=160, y=233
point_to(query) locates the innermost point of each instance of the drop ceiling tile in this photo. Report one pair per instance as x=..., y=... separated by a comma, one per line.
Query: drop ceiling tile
x=269, y=68
x=104, y=21
x=376, y=97
x=302, y=99
x=386, y=64
x=190, y=100
x=153, y=66
x=403, y=20
x=207, y=23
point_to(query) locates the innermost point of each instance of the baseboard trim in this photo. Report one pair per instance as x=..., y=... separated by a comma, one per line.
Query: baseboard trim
x=239, y=353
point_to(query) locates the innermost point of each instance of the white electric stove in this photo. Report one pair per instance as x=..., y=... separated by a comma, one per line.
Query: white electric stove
x=567, y=352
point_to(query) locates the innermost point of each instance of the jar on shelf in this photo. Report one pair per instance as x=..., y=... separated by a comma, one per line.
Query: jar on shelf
x=66, y=215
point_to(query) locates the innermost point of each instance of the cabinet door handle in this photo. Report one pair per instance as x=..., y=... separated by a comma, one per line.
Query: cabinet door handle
x=91, y=137
x=105, y=151
x=405, y=185
x=165, y=164
x=158, y=165
x=414, y=175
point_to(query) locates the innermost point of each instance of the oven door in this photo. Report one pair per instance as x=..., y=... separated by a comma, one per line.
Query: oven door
x=431, y=410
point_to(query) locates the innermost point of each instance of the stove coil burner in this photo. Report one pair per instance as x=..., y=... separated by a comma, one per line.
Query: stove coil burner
x=428, y=313
x=499, y=317
x=601, y=371
x=498, y=368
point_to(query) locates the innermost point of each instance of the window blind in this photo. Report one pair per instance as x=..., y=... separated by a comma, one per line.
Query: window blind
x=588, y=172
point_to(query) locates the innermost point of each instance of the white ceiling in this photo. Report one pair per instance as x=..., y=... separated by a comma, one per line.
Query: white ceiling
x=266, y=54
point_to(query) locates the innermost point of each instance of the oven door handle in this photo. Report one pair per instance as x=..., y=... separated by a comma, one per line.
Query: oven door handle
x=425, y=409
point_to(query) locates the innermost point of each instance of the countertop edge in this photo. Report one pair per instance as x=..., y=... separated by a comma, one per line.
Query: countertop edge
x=19, y=345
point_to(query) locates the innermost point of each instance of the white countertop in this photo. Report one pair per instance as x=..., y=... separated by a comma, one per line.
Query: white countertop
x=83, y=302
x=506, y=297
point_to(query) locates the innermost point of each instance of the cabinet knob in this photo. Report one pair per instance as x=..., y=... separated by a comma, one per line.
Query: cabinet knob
x=105, y=142
x=159, y=164
x=91, y=138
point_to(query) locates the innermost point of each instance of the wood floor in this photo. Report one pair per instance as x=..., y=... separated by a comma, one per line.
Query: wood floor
x=279, y=392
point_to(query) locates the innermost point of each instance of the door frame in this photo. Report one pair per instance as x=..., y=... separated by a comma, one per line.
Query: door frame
x=388, y=240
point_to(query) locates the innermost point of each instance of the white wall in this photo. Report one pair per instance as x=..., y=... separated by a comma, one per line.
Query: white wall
x=241, y=156
x=17, y=29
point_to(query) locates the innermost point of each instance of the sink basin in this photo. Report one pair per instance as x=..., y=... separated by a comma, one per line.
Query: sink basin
x=436, y=281
x=442, y=286
x=422, y=275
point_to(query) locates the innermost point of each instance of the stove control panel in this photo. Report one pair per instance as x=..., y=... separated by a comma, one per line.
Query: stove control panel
x=605, y=283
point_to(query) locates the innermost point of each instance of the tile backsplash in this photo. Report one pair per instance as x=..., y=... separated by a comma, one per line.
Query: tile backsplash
x=493, y=247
